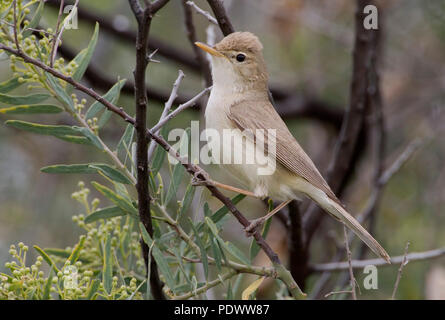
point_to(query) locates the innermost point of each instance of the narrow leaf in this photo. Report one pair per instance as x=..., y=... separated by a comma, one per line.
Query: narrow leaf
x=252, y=288
x=112, y=96
x=93, y=289
x=87, y=55
x=107, y=270
x=60, y=92
x=20, y=100
x=9, y=85
x=76, y=251
x=34, y=21
x=125, y=141
x=178, y=172
x=118, y=200
x=31, y=109
x=202, y=249
x=90, y=136
x=106, y=213
x=47, y=288
x=46, y=257
x=159, y=258
x=187, y=201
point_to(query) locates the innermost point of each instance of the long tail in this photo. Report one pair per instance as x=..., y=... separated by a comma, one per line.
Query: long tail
x=341, y=214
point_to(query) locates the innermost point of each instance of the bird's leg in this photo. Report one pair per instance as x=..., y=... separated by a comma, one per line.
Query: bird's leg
x=196, y=181
x=257, y=222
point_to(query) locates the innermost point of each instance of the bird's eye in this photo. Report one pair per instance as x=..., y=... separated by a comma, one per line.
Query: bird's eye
x=240, y=57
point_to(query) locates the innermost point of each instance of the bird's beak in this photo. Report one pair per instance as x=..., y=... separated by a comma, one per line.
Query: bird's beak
x=209, y=49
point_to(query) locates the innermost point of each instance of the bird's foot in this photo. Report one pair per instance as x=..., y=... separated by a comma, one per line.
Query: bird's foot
x=254, y=224
x=204, y=180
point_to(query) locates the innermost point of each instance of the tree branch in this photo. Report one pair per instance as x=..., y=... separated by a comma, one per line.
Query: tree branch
x=144, y=18
x=360, y=264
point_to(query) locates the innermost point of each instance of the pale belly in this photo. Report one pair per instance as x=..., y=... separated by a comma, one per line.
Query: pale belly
x=258, y=173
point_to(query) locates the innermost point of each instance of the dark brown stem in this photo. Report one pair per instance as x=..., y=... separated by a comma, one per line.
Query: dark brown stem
x=345, y=152
x=191, y=34
x=144, y=17
x=221, y=16
x=298, y=256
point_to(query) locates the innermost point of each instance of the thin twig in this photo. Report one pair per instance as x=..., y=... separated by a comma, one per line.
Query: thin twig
x=360, y=264
x=202, y=12
x=179, y=109
x=167, y=107
x=351, y=272
x=54, y=40
x=193, y=38
x=399, y=274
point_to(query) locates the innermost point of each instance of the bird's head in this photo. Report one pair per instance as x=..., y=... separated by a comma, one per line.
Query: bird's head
x=237, y=61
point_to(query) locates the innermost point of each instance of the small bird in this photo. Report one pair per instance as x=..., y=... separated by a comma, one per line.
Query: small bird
x=239, y=99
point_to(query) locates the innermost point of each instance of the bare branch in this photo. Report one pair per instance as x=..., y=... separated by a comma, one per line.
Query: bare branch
x=202, y=12
x=179, y=109
x=221, y=16
x=191, y=34
x=360, y=264
x=167, y=107
x=351, y=272
x=59, y=16
x=399, y=274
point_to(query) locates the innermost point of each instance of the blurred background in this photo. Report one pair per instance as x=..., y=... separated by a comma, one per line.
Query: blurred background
x=308, y=49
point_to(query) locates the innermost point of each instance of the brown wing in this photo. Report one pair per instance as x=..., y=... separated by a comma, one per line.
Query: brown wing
x=260, y=114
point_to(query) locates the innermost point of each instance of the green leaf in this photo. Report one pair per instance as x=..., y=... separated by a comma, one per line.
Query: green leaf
x=111, y=173
x=34, y=21
x=66, y=133
x=106, y=115
x=47, y=288
x=212, y=226
x=93, y=289
x=86, y=56
x=158, y=155
x=31, y=109
x=187, y=201
x=125, y=141
x=218, y=215
x=9, y=85
x=175, y=181
x=118, y=200
x=163, y=266
x=90, y=136
x=75, y=139
x=49, y=130
x=107, y=270
x=60, y=92
x=112, y=96
x=216, y=252
x=46, y=257
x=20, y=100
x=237, y=253
x=229, y=294
x=232, y=249
x=202, y=249
x=105, y=213
x=76, y=251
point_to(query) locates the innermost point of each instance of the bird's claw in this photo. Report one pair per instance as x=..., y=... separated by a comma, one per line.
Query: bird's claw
x=197, y=181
